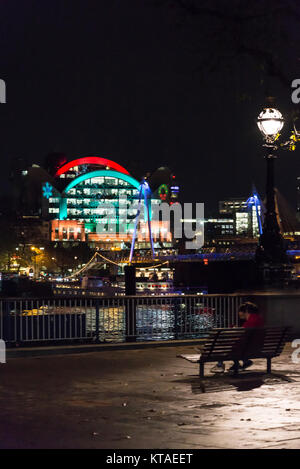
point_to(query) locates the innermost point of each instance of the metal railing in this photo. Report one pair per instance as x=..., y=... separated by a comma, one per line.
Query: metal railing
x=115, y=319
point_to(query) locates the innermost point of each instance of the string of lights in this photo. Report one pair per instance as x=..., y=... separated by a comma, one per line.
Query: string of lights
x=106, y=259
x=83, y=268
x=109, y=260
x=156, y=265
x=120, y=263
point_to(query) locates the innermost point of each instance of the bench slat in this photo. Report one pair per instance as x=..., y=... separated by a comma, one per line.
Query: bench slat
x=230, y=344
x=237, y=344
x=222, y=344
x=225, y=340
x=268, y=349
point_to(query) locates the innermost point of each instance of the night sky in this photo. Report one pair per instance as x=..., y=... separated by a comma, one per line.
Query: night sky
x=126, y=80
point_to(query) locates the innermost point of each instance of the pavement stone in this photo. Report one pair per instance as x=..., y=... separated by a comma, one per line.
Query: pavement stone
x=148, y=398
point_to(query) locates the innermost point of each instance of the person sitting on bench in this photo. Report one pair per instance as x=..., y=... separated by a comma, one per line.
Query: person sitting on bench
x=249, y=314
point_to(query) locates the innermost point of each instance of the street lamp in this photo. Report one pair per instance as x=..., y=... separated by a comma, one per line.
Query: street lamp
x=36, y=252
x=35, y=266
x=271, y=250
x=270, y=123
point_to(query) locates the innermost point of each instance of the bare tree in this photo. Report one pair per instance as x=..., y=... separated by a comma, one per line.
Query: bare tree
x=259, y=34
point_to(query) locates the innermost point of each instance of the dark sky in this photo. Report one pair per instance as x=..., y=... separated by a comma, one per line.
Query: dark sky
x=119, y=79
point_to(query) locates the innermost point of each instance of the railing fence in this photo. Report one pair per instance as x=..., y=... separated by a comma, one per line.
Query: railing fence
x=115, y=319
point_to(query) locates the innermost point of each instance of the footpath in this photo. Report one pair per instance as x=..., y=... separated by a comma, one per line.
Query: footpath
x=145, y=398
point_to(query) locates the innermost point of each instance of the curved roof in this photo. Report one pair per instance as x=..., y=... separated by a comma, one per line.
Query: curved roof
x=104, y=173
x=91, y=160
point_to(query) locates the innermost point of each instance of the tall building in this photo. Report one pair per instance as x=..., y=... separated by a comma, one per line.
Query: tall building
x=96, y=200
x=247, y=214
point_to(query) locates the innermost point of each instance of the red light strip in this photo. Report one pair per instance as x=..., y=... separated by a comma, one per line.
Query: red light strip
x=91, y=160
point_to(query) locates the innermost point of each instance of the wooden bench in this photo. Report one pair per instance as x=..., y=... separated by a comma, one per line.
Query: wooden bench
x=242, y=344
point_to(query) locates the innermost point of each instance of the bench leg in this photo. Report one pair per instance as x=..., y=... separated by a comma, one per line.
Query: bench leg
x=269, y=365
x=236, y=366
x=201, y=370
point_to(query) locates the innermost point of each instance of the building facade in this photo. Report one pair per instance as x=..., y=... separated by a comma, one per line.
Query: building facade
x=95, y=200
x=246, y=213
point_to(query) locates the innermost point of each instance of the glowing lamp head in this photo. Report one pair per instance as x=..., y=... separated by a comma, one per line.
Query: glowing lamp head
x=270, y=122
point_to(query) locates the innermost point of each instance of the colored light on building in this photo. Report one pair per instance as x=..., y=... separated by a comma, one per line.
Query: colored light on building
x=94, y=198
x=98, y=206
x=93, y=160
x=67, y=230
x=47, y=190
x=104, y=173
x=163, y=191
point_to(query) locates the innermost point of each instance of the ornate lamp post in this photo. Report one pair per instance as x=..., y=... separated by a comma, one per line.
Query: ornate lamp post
x=270, y=251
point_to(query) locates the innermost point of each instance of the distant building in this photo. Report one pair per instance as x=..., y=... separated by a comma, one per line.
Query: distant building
x=32, y=229
x=217, y=229
x=233, y=205
x=93, y=200
x=246, y=217
x=246, y=213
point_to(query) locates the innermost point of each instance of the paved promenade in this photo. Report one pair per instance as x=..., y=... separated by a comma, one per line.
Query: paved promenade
x=146, y=398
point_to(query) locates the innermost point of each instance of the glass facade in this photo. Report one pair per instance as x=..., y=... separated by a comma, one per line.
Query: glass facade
x=106, y=206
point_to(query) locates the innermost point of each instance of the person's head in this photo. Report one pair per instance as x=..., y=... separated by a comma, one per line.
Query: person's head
x=246, y=309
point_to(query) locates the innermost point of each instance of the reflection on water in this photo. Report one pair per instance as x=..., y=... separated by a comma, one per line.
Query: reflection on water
x=153, y=322
x=167, y=319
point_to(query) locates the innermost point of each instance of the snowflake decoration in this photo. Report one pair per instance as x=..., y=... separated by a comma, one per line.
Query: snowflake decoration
x=47, y=190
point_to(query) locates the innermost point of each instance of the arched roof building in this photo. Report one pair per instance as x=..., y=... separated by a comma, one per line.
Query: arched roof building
x=95, y=199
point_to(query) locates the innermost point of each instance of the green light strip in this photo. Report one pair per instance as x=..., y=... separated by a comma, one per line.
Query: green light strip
x=104, y=173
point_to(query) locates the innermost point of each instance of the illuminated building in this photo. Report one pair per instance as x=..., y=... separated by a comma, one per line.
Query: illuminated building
x=217, y=229
x=94, y=200
x=67, y=230
x=246, y=213
x=232, y=205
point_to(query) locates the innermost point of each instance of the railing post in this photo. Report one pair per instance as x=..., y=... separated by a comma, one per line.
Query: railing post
x=7, y=319
x=130, y=315
x=130, y=283
x=130, y=303
x=97, y=322
x=176, y=317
